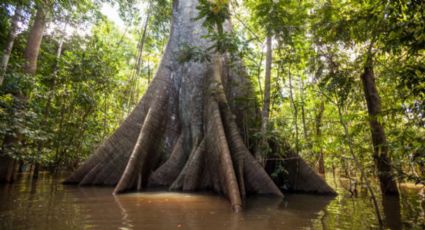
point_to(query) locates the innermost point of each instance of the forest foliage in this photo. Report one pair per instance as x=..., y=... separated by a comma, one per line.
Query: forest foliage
x=92, y=71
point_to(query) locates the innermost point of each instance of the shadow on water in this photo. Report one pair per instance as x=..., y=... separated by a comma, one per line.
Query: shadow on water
x=165, y=210
x=47, y=204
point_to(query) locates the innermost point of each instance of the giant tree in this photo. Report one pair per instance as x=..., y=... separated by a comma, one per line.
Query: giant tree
x=185, y=132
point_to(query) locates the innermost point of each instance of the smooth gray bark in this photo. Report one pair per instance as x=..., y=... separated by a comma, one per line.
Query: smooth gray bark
x=263, y=146
x=13, y=33
x=187, y=131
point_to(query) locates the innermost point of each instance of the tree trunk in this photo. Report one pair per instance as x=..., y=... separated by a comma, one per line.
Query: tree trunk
x=137, y=68
x=303, y=110
x=319, y=117
x=34, y=41
x=263, y=144
x=266, y=103
x=380, y=146
x=142, y=44
x=295, y=111
x=37, y=163
x=359, y=165
x=185, y=131
x=259, y=74
x=10, y=40
x=30, y=66
x=7, y=164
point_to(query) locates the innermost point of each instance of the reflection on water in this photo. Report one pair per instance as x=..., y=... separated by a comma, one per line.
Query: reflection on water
x=48, y=204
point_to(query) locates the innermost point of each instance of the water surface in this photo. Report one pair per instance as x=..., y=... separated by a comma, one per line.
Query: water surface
x=48, y=204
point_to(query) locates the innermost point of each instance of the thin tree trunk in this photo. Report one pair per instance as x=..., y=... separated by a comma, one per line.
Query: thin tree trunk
x=37, y=162
x=295, y=110
x=137, y=68
x=380, y=146
x=59, y=50
x=21, y=166
x=7, y=164
x=259, y=74
x=359, y=166
x=266, y=103
x=60, y=132
x=105, y=112
x=142, y=44
x=303, y=109
x=263, y=145
x=13, y=33
x=319, y=117
x=149, y=72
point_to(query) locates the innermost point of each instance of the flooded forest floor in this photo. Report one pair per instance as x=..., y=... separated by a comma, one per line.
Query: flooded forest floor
x=47, y=204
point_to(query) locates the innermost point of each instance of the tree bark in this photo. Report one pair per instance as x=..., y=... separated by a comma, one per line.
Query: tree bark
x=34, y=41
x=266, y=103
x=295, y=111
x=303, y=110
x=319, y=117
x=7, y=163
x=185, y=133
x=263, y=145
x=142, y=44
x=13, y=33
x=380, y=146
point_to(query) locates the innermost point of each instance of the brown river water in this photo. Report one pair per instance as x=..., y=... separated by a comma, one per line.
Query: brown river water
x=47, y=204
